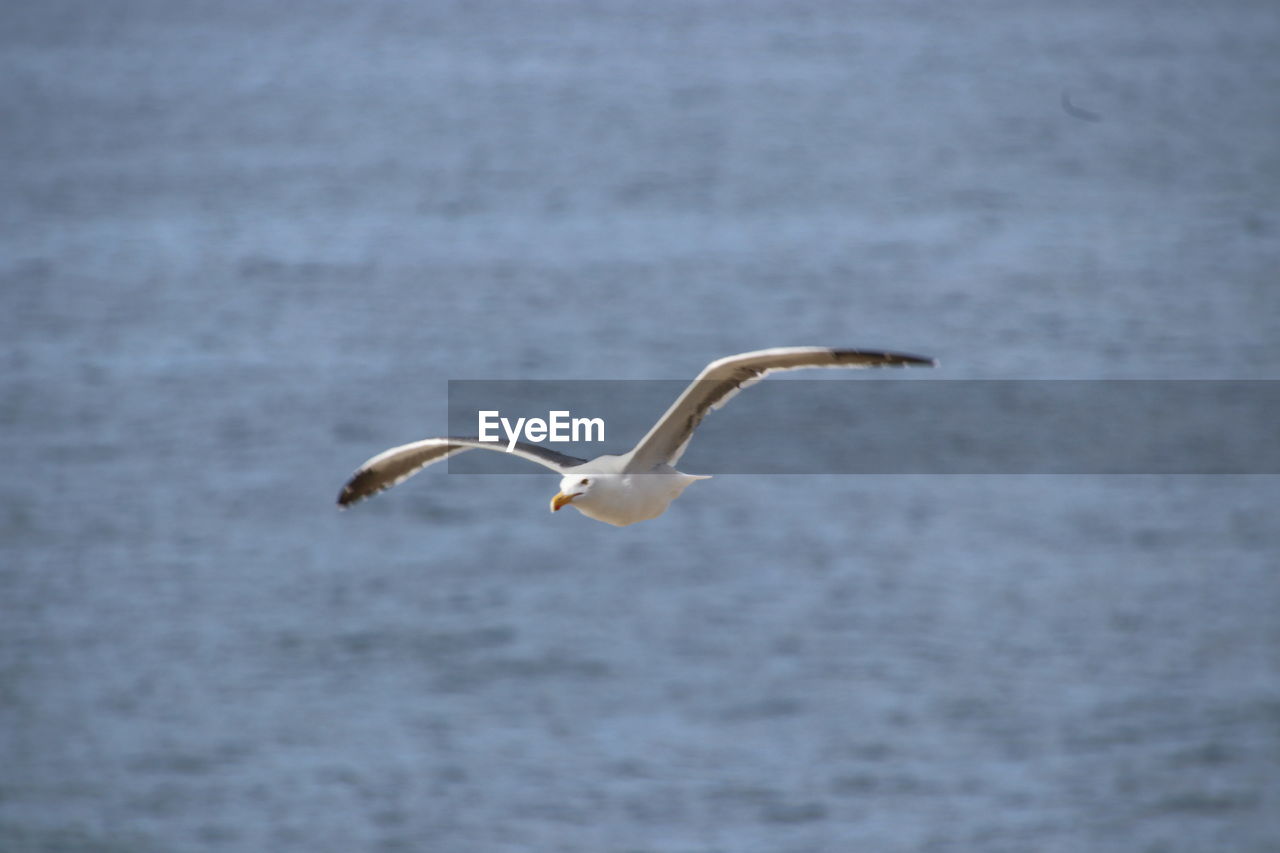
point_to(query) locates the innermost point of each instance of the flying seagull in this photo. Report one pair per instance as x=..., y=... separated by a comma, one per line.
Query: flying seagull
x=640, y=484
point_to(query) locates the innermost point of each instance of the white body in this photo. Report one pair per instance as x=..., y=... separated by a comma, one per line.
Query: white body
x=620, y=498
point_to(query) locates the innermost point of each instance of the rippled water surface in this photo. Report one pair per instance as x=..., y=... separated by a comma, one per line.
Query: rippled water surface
x=244, y=246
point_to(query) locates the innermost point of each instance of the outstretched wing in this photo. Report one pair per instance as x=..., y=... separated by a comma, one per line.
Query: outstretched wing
x=400, y=463
x=723, y=378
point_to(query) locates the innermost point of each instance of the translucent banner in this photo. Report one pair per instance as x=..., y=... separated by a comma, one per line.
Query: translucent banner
x=893, y=426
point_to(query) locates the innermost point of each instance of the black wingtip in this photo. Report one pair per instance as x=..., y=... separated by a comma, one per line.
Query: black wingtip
x=912, y=360
x=351, y=494
x=886, y=359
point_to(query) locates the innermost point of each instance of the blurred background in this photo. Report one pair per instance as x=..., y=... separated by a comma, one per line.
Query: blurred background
x=244, y=246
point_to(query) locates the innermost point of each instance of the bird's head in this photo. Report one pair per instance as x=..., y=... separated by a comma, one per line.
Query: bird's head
x=574, y=487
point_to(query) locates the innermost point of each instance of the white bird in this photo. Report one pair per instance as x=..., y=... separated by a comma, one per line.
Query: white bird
x=638, y=485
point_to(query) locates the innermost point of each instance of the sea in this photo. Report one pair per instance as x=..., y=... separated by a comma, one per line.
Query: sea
x=245, y=246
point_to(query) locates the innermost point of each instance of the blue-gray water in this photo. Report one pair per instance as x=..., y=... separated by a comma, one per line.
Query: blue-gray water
x=245, y=245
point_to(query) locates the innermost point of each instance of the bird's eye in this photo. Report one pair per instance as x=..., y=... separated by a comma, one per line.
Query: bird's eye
x=583, y=482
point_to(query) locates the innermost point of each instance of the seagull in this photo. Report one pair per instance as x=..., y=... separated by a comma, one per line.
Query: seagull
x=641, y=484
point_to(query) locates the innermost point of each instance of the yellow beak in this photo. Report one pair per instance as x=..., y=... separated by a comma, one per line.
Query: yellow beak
x=561, y=500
